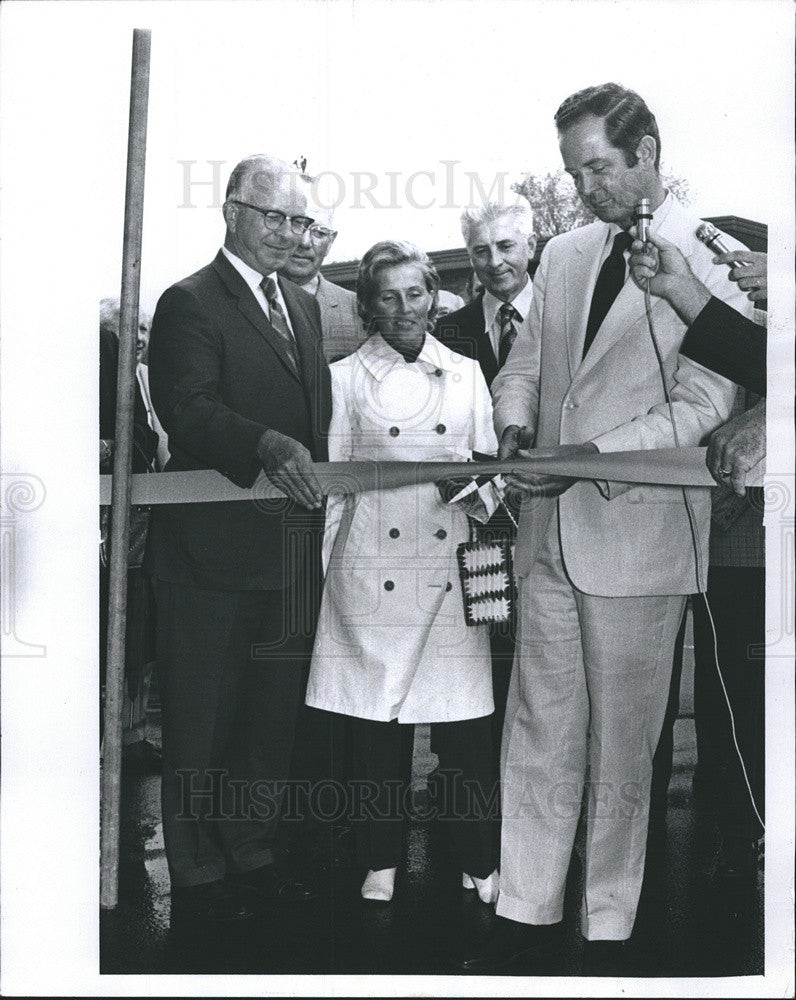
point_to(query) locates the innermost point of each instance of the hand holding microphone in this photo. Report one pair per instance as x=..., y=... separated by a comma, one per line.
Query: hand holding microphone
x=750, y=270
x=660, y=263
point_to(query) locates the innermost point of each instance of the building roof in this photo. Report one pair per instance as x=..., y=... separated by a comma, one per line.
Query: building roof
x=453, y=262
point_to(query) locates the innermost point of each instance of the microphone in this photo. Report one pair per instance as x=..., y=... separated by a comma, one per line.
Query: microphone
x=643, y=218
x=708, y=234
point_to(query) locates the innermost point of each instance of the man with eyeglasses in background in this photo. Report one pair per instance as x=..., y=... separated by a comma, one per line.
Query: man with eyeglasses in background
x=240, y=385
x=342, y=328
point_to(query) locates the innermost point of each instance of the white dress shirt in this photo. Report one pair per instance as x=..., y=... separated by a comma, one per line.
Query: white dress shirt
x=253, y=279
x=522, y=303
x=658, y=216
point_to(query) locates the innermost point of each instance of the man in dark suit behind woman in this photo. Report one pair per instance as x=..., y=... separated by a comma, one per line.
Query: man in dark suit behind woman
x=500, y=243
x=240, y=384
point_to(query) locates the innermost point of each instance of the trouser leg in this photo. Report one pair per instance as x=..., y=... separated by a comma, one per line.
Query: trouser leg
x=139, y=656
x=229, y=677
x=318, y=774
x=469, y=791
x=543, y=758
x=628, y=647
x=662, y=761
x=381, y=766
x=261, y=747
x=737, y=602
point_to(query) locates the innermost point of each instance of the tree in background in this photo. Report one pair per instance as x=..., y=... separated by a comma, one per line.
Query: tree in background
x=557, y=207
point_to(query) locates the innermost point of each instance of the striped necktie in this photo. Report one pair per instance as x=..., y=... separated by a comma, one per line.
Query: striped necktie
x=279, y=322
x=508, y=331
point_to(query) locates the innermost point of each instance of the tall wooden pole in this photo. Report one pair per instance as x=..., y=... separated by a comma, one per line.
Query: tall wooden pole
x=122, y=466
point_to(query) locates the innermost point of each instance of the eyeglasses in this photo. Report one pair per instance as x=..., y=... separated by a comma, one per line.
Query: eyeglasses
x=274, y=219
x=321, y=233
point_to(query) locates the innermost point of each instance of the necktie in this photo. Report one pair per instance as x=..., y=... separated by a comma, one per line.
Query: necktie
x=508, y=331
x=279, y=322
x=609, y=284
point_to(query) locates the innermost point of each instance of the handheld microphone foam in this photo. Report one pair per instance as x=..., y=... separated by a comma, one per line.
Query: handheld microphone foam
x=708, y=234
x=643, y=218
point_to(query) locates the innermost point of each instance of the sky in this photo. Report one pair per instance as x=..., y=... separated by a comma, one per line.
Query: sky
x=376, y=93
x=409, y=109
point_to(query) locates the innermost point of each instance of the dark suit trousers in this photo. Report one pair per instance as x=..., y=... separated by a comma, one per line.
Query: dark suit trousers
x=382, y=765
x=230, y=671
x=737, y=602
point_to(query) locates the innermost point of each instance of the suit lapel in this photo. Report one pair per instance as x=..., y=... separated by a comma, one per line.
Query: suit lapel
x=314, y=369
x=325, y=295
x=476, y=328
x=249, y=307
x=306, y=341
x=627, y=309
x=580, y=275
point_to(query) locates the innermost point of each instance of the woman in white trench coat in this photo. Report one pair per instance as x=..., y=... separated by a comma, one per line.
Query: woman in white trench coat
x=392, y=647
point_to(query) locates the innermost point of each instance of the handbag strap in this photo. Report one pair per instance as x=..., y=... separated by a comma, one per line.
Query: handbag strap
x=505, y=507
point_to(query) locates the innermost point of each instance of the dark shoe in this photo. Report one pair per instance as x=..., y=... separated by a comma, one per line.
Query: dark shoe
x=507, y=942
x=605, y=958
x=211, y=901
x=142, y=758
x=269, y=882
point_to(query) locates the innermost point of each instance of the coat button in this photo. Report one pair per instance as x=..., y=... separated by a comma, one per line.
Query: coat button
x=448, y=587
x=389, y=585
x=394, y=432
x=438, y=372
x=441, y=533
x=394, y=532
x=440, y=428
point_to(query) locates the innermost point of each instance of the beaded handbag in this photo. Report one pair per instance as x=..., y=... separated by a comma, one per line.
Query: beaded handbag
x=486, y=574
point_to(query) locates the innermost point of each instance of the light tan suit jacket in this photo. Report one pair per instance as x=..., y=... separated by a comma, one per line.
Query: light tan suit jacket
x=342, y=327
x=616, y=540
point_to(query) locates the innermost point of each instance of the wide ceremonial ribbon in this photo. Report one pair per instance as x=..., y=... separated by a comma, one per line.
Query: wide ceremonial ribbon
x=662, y=467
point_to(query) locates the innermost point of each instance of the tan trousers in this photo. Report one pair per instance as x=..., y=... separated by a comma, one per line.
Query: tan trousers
x=588, y=694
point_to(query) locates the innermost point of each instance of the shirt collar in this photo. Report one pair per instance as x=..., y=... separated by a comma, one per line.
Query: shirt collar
x=521, y=302
x=252, y=278
x=380, y=359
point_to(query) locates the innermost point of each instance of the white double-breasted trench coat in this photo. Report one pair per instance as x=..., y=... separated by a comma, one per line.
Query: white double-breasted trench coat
x=391, y=641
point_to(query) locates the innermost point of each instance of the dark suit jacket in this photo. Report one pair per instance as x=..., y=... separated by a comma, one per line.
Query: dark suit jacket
x=463, y=331
x=219, y=378
x=726, y=342
x=145, y=440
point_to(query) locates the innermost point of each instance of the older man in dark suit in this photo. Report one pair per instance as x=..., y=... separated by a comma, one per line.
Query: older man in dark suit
x=500, y=243
x=240, y=384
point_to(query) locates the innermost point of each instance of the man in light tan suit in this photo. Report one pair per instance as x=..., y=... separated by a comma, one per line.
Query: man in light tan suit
x=603, y=568
x=342, y=327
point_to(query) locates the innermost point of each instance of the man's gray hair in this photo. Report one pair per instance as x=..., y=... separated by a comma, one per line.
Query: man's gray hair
x=259, y=170
x=109, y=315
x=471, y=218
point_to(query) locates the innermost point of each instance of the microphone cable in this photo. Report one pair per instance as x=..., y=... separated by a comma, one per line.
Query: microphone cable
x=698, y=552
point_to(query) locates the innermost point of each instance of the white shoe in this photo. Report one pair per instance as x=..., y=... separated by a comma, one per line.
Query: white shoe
x=488, y=888
x=379, y=885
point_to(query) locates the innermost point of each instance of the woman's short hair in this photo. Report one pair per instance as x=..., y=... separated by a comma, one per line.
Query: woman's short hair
x=392, y=253
x=626, y=115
